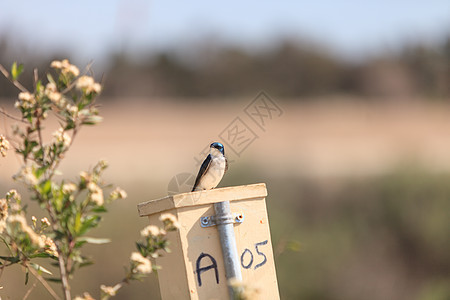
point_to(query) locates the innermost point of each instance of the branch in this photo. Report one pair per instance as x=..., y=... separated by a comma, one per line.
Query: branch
x=36, y=77
x=30, y=290
x=64, y=279
x=61, y=263
x=44, y=283
x=15, y=82
x=3, y=112
x=39, y=131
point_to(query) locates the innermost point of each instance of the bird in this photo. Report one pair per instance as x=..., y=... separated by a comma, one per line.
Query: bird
x=213, y=168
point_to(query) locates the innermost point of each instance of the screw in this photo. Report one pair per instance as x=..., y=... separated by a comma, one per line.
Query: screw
x=205, y=220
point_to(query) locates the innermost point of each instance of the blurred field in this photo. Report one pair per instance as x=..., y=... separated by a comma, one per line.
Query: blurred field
x=358, y=191
x=321, y=138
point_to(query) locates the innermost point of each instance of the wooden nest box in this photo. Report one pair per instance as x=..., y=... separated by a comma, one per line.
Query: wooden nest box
x=195, y=267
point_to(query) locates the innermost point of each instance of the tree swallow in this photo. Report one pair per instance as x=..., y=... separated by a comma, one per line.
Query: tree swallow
x=213, y=168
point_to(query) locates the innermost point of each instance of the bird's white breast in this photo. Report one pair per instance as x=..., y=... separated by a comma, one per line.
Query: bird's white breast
x=214, y=174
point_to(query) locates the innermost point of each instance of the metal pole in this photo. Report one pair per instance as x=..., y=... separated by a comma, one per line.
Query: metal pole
x=224, y=220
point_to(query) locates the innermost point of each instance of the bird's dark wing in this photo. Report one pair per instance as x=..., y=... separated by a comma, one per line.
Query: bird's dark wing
x=226, y=166
x=203, y=169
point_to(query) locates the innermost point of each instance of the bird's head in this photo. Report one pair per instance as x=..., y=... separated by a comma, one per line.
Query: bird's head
x=216, y=146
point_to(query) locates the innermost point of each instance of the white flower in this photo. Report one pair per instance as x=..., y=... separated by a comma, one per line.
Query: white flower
x=103, y=163
x=244, y=291
x=108, y=290
x=92, y=187
x=69, y=188
x=118, y=193
x=152, y=230
x=144, y=266
x=98, y=198
x=13, y=195
x=61, y=137
x=52, y=93
x=4, y=145
x=97, y=87
x=72, y=109
x=56, y=64
x=50, y=246
x=3, y=214
x=65, y=66
x=33, y=220
x=87, y=84
x=26, y=100
x=30, y=177
x=26, y=175
x=169, y=220
x=2, y=226
x=55, y=97
x=51, y=87
x=27, y=97
x=86, y=296
x=85, y=176
x=168, y=217
x=45, y=221
x=74, y=70
x=96, y=193
x=84, y=82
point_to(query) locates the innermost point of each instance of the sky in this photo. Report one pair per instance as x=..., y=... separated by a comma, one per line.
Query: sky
x=88, y=29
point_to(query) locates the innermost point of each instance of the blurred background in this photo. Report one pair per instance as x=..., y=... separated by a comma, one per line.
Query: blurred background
x=356, y=158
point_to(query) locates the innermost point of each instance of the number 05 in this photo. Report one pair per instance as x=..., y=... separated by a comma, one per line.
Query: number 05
x=248, y=253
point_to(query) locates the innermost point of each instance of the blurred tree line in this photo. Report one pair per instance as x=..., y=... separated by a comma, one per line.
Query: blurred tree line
x=291, y=69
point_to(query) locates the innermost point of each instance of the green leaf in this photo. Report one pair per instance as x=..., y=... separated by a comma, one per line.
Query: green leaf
x=59, y=235
x=77, y=225
x=70, y=124
x=92, y=120
x=50, y=78
x=141, y=248
x=46, y=187
x=26, y=277
x=38, y=86
x=86, y=263
x=99, y=209
x=78, y=244
x=28, y=146
x=42, y=254
x=16, y=70
x=92, y=240
x=38, y=154
x=12, y=259
x=30, y=118
x=53, y=279
x=38, y=173
x=88, y=223
x=40, y=268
